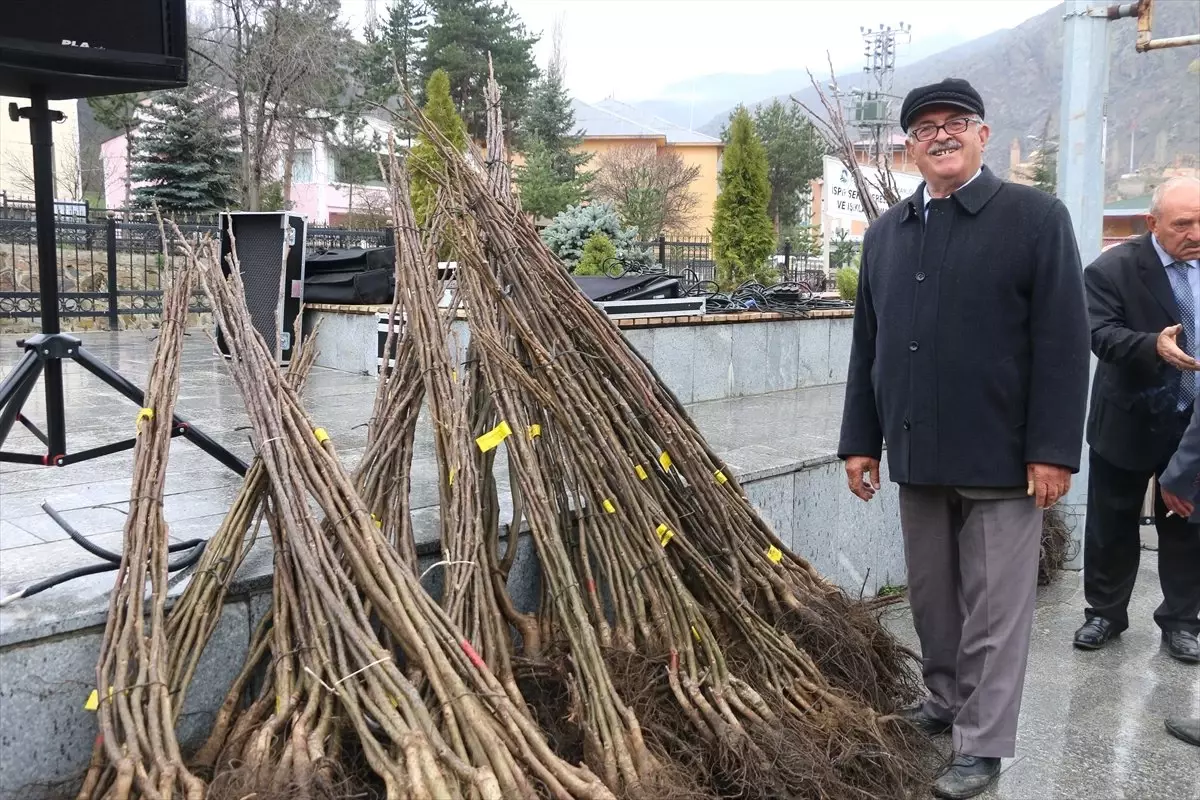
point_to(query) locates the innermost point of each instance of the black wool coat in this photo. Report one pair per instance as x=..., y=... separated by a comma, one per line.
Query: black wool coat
x=970, y=346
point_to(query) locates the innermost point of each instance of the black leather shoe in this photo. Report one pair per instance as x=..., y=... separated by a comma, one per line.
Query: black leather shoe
x=923, y=721
x=966, y=777
x=1187, y=730
x=1094, y=634
x=1183, y=646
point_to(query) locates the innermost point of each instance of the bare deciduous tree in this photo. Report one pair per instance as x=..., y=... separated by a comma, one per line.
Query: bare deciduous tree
x=833, y=128
x=282, y=61
x=651, y=188
x=69, y=179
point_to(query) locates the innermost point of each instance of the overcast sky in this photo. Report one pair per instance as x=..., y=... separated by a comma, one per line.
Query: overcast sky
x=635, y=49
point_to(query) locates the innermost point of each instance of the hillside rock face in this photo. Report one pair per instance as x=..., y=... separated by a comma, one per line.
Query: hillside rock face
x=1019, y=74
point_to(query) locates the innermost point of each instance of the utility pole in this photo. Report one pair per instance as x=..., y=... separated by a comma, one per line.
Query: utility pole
x=872, y=104
x=1081, y=153
x=1081, y=175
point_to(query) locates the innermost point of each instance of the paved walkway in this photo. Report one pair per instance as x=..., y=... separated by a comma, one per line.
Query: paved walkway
x=1091, y=726
x=1092, y=722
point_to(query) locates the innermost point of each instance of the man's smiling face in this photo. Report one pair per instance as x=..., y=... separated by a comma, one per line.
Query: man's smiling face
x=947, y=159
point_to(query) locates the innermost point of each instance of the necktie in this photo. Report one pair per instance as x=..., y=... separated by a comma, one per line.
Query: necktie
x=1187, y=315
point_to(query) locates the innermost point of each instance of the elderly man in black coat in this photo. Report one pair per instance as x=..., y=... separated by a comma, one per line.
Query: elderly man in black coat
x=970, y=358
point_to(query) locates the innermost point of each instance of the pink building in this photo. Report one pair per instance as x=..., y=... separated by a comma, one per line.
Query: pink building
x=316, y=191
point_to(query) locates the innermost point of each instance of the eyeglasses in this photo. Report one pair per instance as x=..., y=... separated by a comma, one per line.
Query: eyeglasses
x=953, y=127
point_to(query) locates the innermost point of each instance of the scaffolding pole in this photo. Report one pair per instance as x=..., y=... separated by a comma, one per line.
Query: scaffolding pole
x=1081, y=172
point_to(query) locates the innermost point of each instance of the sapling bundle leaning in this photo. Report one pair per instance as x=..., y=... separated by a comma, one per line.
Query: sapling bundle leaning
x=651, y=555
x=137, y=753
x=334, y=686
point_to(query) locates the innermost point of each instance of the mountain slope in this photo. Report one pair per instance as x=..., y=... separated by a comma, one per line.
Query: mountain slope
x=694, y=101
x=1019, y=74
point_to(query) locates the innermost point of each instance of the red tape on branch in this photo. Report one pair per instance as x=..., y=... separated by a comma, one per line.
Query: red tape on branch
x=471, y=654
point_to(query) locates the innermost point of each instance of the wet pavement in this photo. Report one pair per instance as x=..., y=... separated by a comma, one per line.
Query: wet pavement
x=1091, y=723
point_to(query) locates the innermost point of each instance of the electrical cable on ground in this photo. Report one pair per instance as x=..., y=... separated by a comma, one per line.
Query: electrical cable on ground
x=111, y=560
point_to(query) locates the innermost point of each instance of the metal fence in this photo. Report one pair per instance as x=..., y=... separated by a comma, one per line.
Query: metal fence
x=112, y=269
x=693, y=256
x=111, y=263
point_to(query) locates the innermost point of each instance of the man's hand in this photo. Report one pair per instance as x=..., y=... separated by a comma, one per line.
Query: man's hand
x=1047, y=483
x=862, y=475
x=1177, y=504
x=1170, y=352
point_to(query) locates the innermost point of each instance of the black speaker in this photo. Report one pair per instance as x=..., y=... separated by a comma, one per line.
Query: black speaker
x=270, y=251
x=85, y=48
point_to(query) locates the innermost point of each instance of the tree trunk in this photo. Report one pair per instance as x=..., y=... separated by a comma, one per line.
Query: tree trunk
x=128, y=177
x=289, y=162
x=244, y=134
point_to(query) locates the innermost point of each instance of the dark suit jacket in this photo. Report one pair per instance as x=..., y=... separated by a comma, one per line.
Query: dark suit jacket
x=1182, y=475
x=1133, y=422
x=970, y=349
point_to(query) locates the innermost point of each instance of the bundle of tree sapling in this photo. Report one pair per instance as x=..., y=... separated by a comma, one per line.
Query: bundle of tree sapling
x=648, y=546
x=333, y=683
x=137, y=753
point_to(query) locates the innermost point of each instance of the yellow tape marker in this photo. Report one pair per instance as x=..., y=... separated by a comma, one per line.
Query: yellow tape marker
x=695, y=633
x=665, y=460
x=720, y=476
x=93, y=701
x=143, y=415
x=775, y=554
x=535, y=430
x=278, y=705
x=664, y=535
x=492, y=439
x=322, y=436
x=454, y=375
x=378, y=522
x=641, y=473
x=452, y=476
x=609, y=507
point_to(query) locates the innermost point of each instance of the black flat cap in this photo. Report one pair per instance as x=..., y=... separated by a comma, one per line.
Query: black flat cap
x=950, y=92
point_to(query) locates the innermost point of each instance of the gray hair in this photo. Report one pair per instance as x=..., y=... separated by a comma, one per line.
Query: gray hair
x=1161, y=190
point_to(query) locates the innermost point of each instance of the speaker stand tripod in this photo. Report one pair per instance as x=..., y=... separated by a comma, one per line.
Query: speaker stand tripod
x=44, y=353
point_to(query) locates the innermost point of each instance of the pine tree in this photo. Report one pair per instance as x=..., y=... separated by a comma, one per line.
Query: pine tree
x=543, y=191
x=743, y=236
x=119, y=112
x=568, y=234
x=423, y=160
x=794, y=150
x=553, y=176
x=186, y=153
x=1045, y=162
x=391, y=58
x=459, y=39
x=356, y=157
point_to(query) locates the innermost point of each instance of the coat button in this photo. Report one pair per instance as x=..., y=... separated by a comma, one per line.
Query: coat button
x=906, y=425
x=913, y=346
x=920, y=276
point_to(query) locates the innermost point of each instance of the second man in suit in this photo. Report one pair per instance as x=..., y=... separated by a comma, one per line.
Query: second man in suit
x=1144, y=306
